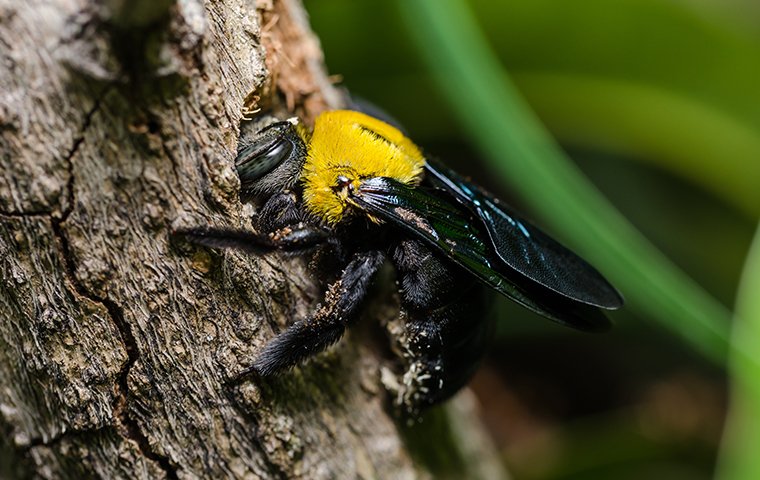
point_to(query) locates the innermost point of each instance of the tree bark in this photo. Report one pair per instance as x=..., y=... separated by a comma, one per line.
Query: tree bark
x=119, y=121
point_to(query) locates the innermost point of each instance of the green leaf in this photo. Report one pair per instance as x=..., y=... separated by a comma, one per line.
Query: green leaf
x=668, y=128
x=739, y=456
x=520, y=150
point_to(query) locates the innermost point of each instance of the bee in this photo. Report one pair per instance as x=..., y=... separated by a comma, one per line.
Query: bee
x=359, y=187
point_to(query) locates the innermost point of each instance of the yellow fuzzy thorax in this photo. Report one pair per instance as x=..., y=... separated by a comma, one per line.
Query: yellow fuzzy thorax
x=358, y=147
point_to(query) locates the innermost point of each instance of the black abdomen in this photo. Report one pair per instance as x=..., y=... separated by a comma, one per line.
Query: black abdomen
x=446, y=331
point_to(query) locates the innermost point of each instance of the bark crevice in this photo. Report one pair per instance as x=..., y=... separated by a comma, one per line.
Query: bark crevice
x=129, y=427
x=25, y=214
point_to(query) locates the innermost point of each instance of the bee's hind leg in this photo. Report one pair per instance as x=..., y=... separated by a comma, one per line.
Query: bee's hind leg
x=444, y=333
x=308, y=337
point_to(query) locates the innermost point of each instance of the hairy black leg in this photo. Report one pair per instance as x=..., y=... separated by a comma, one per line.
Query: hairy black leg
x=445, y=347
x=445, y=332
x=295, y=240
x=280, y=211
x=325, y=327
x=442, y=349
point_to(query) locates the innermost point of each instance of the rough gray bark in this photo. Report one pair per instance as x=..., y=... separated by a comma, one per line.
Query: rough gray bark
x=118, y=121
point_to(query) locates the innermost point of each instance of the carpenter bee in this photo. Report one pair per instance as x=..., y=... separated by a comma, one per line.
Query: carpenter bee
x=358, y=186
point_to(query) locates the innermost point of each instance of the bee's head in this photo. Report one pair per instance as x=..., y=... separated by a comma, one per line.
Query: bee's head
x=271, y=160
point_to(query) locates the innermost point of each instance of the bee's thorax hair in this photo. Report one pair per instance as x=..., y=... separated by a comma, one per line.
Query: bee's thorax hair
x=353, y=146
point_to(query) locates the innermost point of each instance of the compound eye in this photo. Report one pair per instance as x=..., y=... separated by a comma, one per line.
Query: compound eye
x=255, y=161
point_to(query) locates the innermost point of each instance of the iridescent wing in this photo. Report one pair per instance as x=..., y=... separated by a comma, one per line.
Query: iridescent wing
x=526, y=249
x=437, y=217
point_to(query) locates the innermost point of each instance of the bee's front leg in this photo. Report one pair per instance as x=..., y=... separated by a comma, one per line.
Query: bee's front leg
x=299, y=239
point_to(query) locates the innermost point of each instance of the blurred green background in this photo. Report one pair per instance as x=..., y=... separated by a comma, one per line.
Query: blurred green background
x=657, y=103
